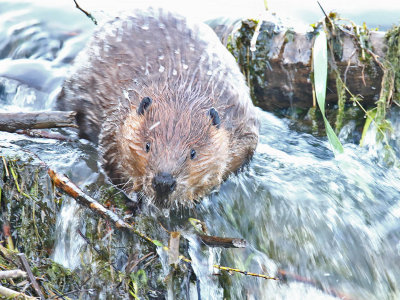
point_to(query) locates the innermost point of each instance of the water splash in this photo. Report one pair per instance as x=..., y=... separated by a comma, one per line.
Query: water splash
x=202, y=264
x=68, y=241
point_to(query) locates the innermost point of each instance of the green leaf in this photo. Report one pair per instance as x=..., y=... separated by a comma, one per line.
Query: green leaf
x=157, y=243
x=320, y=65
x=369, y=117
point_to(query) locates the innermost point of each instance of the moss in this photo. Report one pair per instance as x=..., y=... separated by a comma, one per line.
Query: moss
x=30, y=206
x=393, y=63
x=341, y=92
x=253, y=63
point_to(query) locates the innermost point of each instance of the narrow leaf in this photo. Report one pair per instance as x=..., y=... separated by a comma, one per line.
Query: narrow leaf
x=320, y=65
x=370, y=115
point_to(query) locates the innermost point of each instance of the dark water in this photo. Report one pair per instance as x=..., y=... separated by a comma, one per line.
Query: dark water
x=331, y=223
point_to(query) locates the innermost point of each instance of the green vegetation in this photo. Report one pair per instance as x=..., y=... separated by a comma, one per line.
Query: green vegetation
x=28, y=214
x=390, y=86
x=320, y=65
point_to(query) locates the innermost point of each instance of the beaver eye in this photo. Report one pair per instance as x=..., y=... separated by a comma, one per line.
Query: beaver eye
x=192, y=154
x=147, y=147
x=144, y=105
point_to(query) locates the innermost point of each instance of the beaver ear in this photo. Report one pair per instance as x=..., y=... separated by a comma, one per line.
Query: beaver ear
x=144, y=104
x=213, y=113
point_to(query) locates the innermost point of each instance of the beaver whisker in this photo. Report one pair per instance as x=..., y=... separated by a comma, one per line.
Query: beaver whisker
x=154, y=125
x=123, y=185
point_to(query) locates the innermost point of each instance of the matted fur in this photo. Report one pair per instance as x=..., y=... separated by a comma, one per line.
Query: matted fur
x=185, y=70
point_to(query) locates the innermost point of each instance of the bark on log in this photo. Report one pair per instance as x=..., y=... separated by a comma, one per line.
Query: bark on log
x=215, y=241
x=32, y=278
x=11, y=294
x=11, y=122
x=12, y=274
x=277, y=63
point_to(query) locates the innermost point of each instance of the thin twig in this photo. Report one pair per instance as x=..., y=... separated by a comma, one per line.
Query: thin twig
x=32, y=278
x=99, y=252
x=5, y=166
x=89, y=15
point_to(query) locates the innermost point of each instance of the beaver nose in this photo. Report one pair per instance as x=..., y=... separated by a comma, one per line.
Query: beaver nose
x=164, y=184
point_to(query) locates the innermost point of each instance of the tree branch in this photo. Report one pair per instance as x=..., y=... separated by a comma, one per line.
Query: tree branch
x=11, y=122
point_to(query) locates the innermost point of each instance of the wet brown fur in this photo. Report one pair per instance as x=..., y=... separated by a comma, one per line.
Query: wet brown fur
x=158, y=55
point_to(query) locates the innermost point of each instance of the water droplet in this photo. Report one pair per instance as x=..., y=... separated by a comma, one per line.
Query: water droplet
x=147, y=42
x=209, y=73
x=166, y=213
x=174, y=72
x=161, y=57
x=184, y=66
x=126, y=94
x=145, y=27
x=161, y=69
x=177, y=52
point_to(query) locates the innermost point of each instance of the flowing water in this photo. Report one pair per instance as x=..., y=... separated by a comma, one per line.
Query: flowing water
x=330, y=224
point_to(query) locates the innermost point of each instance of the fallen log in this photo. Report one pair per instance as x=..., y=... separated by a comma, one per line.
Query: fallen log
x=276, y=61
x=216, y=241
x=11, y=122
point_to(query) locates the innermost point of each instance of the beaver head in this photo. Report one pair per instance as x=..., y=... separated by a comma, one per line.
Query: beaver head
x=173, y=151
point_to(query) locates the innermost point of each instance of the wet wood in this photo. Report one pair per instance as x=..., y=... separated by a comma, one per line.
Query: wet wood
x=215, y=241
x=65, y=184
x=288, y=75
x=11, y=294
x=277, y=63
x=45, y=134
x=32, y=278
x=12, y=274
x=12, y=122
x=173, y=245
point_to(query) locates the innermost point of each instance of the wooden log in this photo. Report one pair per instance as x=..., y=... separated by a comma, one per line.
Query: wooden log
x=11, y=122
x=215, y=241
x=12, y=274
x=11, y=294
x=277, y=62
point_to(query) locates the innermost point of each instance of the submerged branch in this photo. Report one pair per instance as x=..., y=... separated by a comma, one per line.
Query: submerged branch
x=71, y=189
x=216, y=241
x=12, y=122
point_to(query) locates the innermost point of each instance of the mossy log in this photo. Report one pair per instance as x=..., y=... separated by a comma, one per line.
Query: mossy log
x=277, y=62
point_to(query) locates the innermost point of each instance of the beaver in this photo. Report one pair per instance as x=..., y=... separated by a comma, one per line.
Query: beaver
x=166, y=103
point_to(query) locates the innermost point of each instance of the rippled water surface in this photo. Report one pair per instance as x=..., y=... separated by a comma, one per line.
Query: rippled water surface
x=331, y=224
